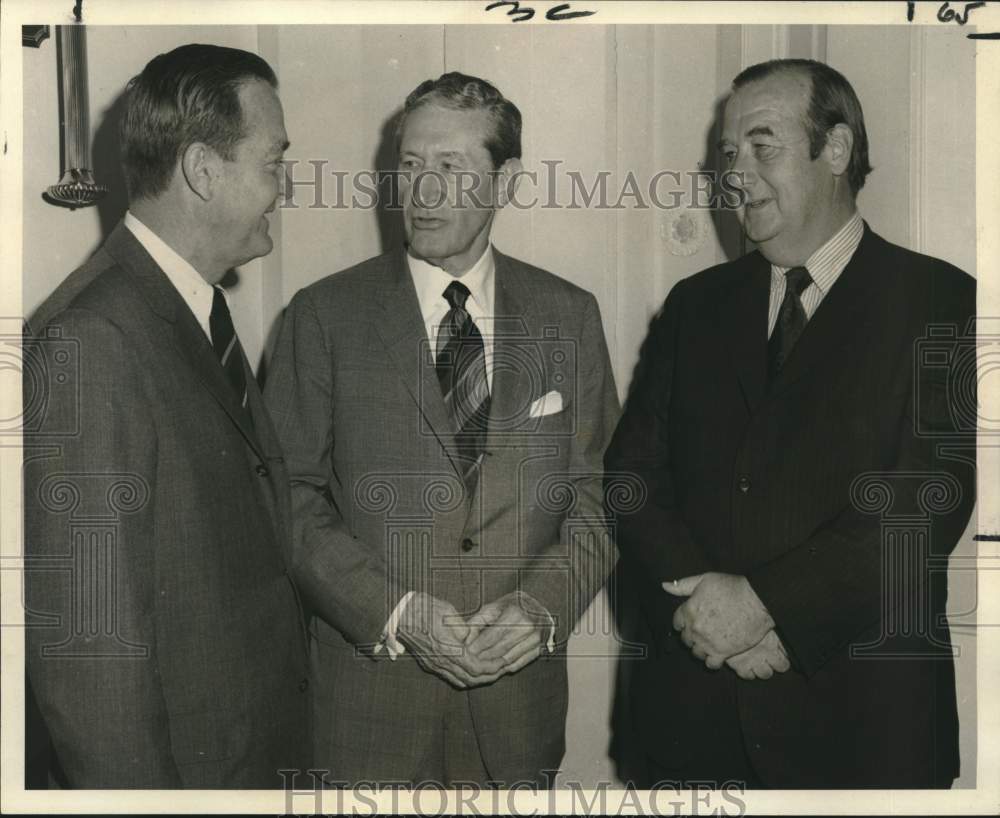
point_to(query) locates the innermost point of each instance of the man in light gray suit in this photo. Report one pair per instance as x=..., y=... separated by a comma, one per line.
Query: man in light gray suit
x=444, y=409
x=165, y=644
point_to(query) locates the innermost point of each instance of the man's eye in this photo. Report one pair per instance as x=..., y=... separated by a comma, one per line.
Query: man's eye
x=730, y=155
x=408, y=164
x=764, y=151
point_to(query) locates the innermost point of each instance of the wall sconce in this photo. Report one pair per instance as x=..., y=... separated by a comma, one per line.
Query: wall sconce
x=77, y=186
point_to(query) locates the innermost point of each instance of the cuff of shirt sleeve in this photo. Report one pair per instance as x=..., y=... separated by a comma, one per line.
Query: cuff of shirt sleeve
x=532, y=605
x=389, y=641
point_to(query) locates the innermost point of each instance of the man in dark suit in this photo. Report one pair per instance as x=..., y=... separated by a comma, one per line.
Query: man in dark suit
x=444, y=409
x=806, y=469
x=166, y=645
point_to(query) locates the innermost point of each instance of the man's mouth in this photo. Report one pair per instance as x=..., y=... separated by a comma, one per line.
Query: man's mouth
x=427, y=222
x=755, y=204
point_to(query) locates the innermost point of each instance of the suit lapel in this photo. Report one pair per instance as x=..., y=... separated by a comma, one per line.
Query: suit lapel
x=511, y=391
x=743, y=317
x=401, y=328
x=187, y=335
x=841, y=317
x=190, y=340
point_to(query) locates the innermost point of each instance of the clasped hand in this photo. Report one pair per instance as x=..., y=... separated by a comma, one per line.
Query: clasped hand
x=502, y=637
x=724, y=622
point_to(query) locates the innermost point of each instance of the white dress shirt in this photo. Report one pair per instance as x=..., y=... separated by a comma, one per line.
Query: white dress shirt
x=196, y=292
x=431, y=282
x=824, y=266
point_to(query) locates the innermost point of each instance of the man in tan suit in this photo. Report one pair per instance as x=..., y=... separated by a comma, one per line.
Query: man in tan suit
x=444, y=409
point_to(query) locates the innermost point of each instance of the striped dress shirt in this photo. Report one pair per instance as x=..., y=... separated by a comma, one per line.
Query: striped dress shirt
x=824, y=266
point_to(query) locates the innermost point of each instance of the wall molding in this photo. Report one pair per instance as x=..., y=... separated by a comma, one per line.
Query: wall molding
x=780, y=41
x=818, y=43
x=917, y=139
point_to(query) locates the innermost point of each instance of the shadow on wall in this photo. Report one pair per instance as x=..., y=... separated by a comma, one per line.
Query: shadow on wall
x=105, y=151
x=386, y=161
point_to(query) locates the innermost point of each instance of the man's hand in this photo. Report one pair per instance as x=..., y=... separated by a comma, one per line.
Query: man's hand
x=722, y=618
x=435, y=633
x=511, y=630
x=762, y=660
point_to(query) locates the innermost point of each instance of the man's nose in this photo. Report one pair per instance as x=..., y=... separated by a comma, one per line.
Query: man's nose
x=286, y=188
x=428, y=190
x=740, y=178
x=741, y=173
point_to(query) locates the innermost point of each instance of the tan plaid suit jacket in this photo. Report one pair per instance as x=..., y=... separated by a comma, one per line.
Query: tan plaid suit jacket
x=379, y=509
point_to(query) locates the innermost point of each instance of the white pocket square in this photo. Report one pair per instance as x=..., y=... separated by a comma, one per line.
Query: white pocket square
x=547, y=404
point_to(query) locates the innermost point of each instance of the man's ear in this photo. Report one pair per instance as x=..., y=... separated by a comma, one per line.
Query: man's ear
x=508, y=178
x=201, y=167
x=839, y=144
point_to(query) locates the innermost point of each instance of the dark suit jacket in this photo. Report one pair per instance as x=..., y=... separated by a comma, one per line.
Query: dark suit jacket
x=166, y=644
x=379, y=507
x=808, y=488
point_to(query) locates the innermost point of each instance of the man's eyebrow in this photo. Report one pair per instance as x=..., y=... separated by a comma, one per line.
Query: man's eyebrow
x=448, y=154
x=757, y=130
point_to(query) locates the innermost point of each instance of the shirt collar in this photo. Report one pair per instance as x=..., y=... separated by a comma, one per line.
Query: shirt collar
x=431, y=282
x=196, y=292
x=829, y=261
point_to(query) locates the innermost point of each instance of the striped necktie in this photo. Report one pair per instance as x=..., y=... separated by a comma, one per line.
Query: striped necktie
x=791, y=320
x=227, y=345
x=461, y=371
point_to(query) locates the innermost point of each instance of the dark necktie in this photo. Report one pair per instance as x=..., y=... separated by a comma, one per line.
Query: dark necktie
x=461, y=371
x=227, y=345
x=791, y=320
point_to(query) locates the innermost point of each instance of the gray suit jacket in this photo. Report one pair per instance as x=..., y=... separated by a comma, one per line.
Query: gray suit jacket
x=379, y=507
x=165, y=642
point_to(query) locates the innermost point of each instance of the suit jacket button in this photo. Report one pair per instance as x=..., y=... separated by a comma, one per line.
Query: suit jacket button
x=261, y=469
x=744, y=484
x=303, y=686
x=467, y=545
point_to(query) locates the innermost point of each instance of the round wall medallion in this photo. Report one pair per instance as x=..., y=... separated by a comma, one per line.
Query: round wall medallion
x=685, y=230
